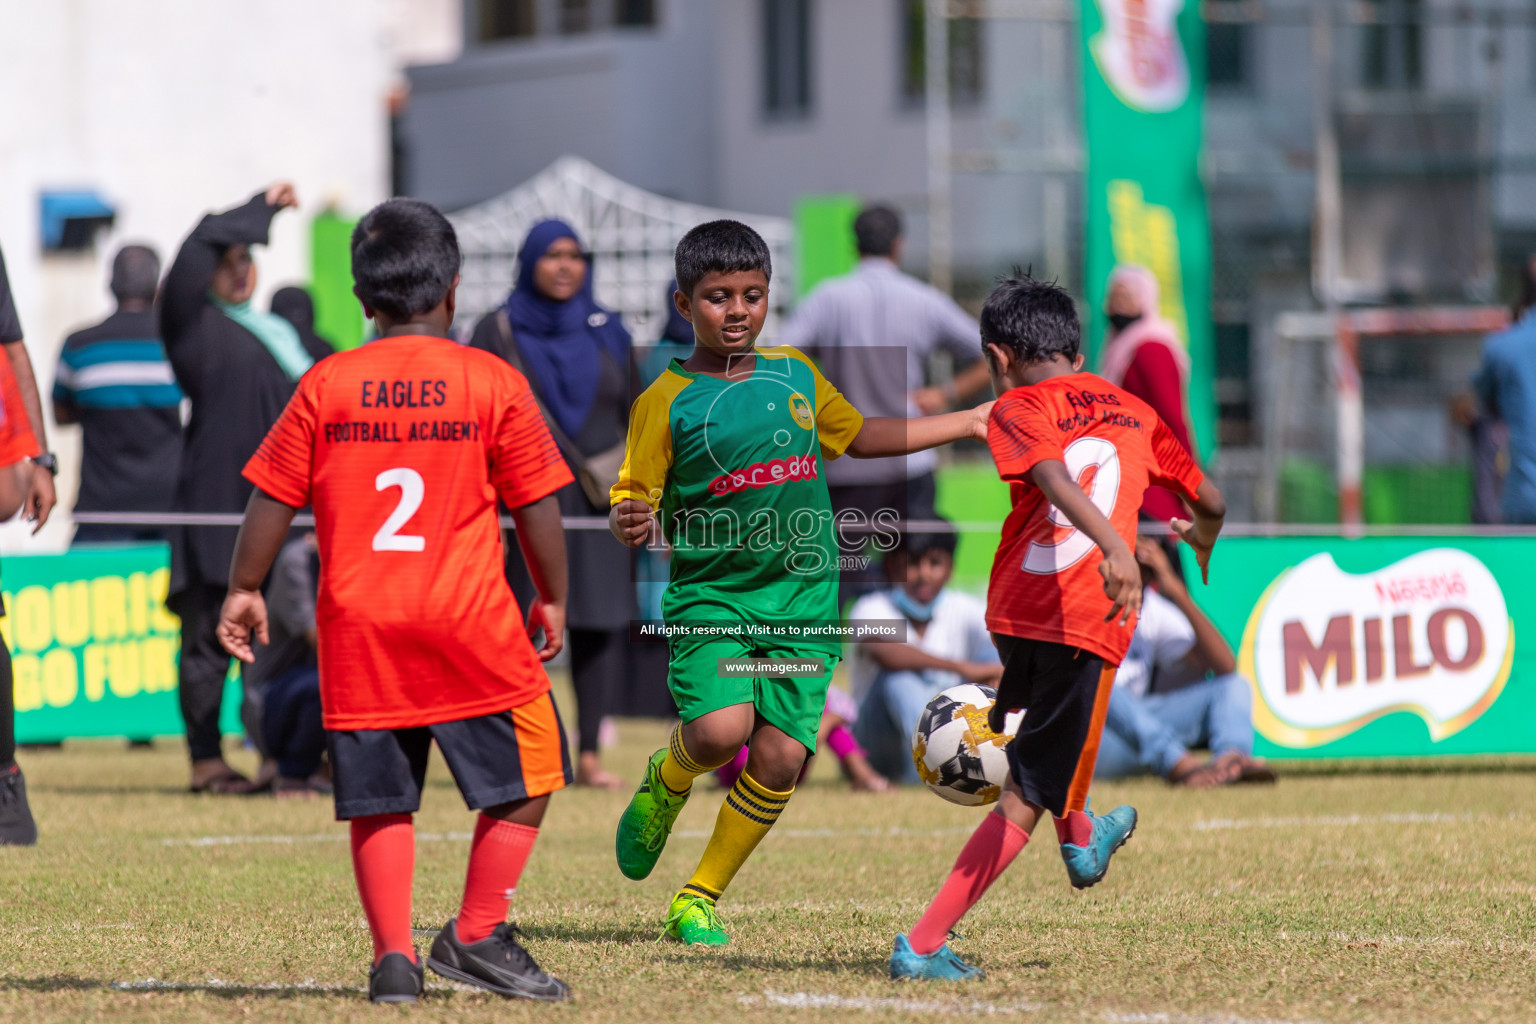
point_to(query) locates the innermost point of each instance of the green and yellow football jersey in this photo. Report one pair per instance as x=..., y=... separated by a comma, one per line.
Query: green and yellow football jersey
x=737, y=470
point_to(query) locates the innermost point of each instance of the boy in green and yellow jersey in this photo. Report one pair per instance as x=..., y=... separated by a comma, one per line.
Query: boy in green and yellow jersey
x=729, y=445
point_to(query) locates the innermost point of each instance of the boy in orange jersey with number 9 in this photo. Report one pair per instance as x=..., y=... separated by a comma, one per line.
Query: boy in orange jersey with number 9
x=1078, y=453
x=403, y=448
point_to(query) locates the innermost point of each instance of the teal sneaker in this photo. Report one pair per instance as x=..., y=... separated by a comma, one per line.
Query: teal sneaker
x=647, y=821
x=941, y=965
x=1087, y=865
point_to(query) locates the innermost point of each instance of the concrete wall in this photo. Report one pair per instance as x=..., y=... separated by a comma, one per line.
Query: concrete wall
x=170, y=108
x=631, y=101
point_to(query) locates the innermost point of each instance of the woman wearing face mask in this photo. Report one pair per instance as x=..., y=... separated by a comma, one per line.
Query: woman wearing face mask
x=238, y=367
x=1143, y=355
x=575, y=355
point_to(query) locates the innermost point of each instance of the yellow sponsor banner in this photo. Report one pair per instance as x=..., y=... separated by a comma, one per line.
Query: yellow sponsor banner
x=93, y=648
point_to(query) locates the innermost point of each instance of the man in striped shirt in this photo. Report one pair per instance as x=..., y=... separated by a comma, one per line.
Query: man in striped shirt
x=114, y=380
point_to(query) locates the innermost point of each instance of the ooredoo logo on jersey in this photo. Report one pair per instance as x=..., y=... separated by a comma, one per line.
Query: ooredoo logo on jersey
x=1330, y=651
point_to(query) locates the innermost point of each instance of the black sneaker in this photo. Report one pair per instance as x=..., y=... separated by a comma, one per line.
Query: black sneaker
x=16, y=825
x=395, y=980
x=498, y=963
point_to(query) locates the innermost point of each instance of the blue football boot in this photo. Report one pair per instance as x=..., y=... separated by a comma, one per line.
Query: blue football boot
x=940, y=965
x=1087, y=865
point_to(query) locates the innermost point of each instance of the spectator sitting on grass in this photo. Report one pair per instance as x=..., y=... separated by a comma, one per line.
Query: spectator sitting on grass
x=947, y=643
x=1152, y=732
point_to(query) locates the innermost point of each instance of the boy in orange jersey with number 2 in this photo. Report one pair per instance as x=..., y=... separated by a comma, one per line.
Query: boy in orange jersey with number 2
x=403, y=448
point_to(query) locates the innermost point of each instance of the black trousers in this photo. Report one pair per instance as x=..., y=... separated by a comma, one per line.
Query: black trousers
x=204, y=664
x=1065, y=694
x=599, y=664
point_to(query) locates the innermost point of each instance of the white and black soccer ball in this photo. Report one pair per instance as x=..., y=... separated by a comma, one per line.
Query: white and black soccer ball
x=957, y=754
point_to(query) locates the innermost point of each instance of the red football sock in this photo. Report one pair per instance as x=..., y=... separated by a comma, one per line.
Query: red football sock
x=496, y=859
x=987, y=854
x=383, y=859
x=1076, y=828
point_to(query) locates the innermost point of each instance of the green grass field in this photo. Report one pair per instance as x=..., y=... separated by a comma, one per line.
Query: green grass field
x=1395, y=897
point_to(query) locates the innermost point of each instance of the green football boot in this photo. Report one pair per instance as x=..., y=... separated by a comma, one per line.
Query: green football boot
x=647, y=821
x=693, y=921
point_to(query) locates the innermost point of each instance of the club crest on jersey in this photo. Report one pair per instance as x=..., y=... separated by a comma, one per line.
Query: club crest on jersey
x=800, y=409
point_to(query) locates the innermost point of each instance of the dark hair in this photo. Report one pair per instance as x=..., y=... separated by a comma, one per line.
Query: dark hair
x=876, y=229
x=135, y=274
x=720, y=247
x=1033, y=319
x=404, y=258
x=916, y=545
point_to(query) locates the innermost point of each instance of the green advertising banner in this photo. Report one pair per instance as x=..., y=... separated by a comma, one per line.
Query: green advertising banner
x=824, y=245
x=94, y=650
x=338, y=314
x=1380, y=647
x=1143, y=97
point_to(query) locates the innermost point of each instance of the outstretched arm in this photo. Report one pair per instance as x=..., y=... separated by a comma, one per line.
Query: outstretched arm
x=1210, y=510
x=1122, y=576
x=883, y=436
x=244, y=617
x=185, y=290
x=542, y=541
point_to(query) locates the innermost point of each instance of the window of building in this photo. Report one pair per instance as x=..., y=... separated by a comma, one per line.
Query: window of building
x=634, y=12
x=965, y=55
x=575, y=16
x=1226, y=55
x=787, y=57
x=1393, y=56
x=506, y=19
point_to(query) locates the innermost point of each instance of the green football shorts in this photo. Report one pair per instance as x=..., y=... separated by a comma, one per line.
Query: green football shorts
x=792, y=704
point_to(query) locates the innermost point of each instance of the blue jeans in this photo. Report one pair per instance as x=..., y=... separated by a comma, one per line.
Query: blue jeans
x=888, y=717
x=1151, y=733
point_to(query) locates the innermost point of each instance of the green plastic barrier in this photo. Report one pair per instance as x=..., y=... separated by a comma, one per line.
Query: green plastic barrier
x=824, y=245
x=338, y=314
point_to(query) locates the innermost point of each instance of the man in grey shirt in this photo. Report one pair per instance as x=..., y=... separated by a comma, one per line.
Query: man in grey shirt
x=874, y=332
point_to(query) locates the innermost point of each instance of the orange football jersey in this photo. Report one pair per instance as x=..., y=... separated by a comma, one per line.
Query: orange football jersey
x=1045, y=579
x=17, y=441
x=403, y=447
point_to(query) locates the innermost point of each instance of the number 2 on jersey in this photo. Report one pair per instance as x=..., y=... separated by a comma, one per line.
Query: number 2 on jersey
x=1081, y=455
x=412, y=490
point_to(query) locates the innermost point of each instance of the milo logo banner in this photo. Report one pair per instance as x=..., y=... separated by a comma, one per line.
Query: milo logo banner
x=1143, y=97
x=93, y=649
x=1381, y=647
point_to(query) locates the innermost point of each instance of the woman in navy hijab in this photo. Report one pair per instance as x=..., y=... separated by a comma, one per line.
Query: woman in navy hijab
x=575, y=354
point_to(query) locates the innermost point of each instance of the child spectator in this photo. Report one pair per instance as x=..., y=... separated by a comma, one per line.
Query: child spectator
x=946, y=643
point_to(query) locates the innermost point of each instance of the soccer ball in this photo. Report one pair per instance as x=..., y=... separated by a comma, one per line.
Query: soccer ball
x=956, y=752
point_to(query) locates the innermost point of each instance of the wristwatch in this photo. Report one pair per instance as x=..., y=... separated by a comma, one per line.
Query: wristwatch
x=48, y=461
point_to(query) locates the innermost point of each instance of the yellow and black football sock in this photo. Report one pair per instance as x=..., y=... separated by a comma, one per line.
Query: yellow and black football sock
x=678, y=769
x=749, y=811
